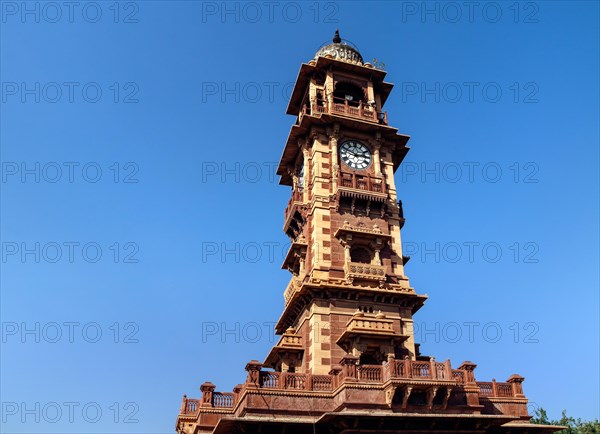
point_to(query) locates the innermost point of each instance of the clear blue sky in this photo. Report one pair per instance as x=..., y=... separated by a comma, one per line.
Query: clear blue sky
x=192, y=120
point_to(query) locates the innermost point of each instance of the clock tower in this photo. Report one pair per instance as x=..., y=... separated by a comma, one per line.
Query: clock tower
x=348, y=293
x=346, y=361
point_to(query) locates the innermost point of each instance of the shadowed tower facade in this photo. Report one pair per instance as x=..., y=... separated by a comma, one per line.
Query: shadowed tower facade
x=347, y=360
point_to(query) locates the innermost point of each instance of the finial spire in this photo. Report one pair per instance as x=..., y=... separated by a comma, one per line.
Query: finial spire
x=336, y=37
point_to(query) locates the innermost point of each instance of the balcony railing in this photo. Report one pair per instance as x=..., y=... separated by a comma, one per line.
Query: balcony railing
x=223, y=399
x=297, y=197
x=426, y=370
x=362, y=182
x=495, y=389
x=405, y=371
x=293, y=286
x=288, y=380
x=359, y=322
x=357, y=270
x=190, y=405
x=219, y=400
x=344, y=107
x=370, y=373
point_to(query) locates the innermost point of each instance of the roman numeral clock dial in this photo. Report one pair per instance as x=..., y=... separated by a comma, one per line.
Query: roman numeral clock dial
x=355, y=155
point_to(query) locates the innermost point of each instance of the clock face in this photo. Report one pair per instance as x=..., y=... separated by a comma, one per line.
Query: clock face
x=355, y=155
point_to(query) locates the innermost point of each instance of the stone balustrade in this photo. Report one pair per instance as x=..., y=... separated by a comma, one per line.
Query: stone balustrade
x=376, y=324
x=297, y=197
x=343, y=107
x=357, y=270
x=293, y=286
x=411, y=372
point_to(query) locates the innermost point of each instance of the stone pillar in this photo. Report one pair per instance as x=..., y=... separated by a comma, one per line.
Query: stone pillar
x=347, y=256
x=376, y=156
x=253, y=367
x=471, y=389
x=329, y=88
x=335, y=372
x=207, y=390
x=236, y=393
x=333, y=143
x=183, y=404
x=432, y=368
x=517, y=385
x=469, y=368
x=448, y=369
x=377, y=258
x=306, y=170
x=349, y=363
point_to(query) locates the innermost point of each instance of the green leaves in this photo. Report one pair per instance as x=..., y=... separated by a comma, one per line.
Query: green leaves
x=574, y=426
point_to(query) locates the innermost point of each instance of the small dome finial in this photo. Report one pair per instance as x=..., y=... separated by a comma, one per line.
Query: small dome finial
x=336, y=37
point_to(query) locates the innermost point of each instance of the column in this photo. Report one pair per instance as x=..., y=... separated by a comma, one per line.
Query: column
x=376, y=156
x=333, y=143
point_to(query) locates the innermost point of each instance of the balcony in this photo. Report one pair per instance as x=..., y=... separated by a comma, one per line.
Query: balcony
x=297, y=197
x=289, y=344
x=496, y=389
x=411, y=371
x=342, y=107
x=223, y=400
x=294, y=286
x=373, y=327
x=360, y=271
x=294, y=381
x=377, y=324
x=362, y=182
x=404, y=375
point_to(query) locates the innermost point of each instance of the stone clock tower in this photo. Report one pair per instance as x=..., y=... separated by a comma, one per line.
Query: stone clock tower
x=348, y=293
x=347, y=361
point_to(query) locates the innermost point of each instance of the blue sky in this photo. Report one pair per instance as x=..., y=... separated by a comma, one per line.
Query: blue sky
x=141, y=221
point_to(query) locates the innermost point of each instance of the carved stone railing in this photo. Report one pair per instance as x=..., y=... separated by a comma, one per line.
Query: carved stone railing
x=297, y=197
x=376, y=324
x=370, y=373
x=494, y=389
x=458, y=375
x=290, y=340
x=322, y=382
x=294, y=285
x=269, y=380
x=223, y=399
x=357, y=270
x=190, y=406
x=362, y=182
x=294, y=381
x=426, y=370
x=342, y=107
x=405, y=371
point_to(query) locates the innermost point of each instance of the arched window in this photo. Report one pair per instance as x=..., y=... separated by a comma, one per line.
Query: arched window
x=361, y=255
x=320, y=101
x=348, y=92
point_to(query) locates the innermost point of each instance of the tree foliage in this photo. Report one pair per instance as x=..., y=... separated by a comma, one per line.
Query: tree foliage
x=574, y=426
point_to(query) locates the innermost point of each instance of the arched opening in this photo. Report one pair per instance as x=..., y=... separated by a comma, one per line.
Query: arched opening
x=361, y=255
x=320, y=100
x=368, y=359
x=349, y=92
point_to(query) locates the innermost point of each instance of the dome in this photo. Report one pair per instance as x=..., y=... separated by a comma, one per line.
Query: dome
x=340, y=49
